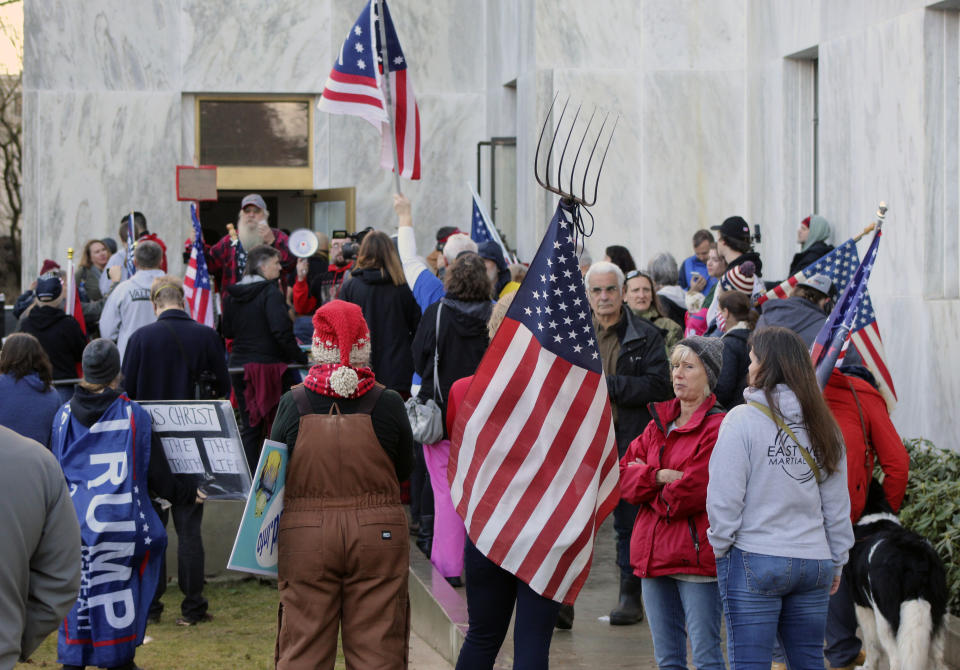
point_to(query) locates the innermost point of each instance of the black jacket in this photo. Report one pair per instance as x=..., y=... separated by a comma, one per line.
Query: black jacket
x=60, y=336
x=88, y=407
x=732, y=379
x=392, y=314
x=463, y=341
x=255, y=317
x=642, y=376
x=154, y=367
x=802, y=259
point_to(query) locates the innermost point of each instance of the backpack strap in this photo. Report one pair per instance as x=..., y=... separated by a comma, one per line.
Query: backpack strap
x=863, y=426
x=783, y=426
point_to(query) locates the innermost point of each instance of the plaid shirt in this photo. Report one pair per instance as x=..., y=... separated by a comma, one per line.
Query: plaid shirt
x=222, y=260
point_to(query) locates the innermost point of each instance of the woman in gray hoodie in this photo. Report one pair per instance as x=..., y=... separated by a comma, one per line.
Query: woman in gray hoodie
x=778, y=508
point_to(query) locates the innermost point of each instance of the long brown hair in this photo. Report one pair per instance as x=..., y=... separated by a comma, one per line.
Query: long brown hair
x=784, y=359
x=86, y=260
x=739, y=306
x=377, y=252
x=22, y=355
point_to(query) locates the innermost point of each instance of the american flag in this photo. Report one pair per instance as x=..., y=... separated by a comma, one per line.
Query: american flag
x=353, y=87
x=196, y=284
x=854, y=315
x=840, y=265
x=481, y=228
x=533, y=467
x=131, y=243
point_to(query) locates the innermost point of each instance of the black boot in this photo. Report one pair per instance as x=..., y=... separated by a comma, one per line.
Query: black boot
x=565, y=617
x=425, y=534
x=630, y=609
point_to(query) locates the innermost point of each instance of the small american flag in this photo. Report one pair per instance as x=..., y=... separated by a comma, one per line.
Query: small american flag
x=482, y=229
x=196, y=284
x=353, y=88
x=853, y=315
x=131, y=243
x=533, y=467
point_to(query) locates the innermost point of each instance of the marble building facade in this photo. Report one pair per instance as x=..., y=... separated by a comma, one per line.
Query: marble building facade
x=765, y=108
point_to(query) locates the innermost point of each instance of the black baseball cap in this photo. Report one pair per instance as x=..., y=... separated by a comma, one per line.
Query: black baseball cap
x=735, y=227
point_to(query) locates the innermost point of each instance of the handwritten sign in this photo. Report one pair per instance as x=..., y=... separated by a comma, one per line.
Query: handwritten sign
x=200, y=438
x=183, y=455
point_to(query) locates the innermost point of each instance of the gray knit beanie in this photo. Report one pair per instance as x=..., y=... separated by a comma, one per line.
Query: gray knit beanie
x=710, y=352
x=101, y=361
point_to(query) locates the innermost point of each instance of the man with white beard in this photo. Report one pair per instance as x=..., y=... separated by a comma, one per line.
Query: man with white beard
x=227, y=258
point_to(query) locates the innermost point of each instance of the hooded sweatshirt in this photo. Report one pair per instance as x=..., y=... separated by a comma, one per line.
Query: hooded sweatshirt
x=59, y=335
x=255, y=316
x=764, y=498
x=128, y=307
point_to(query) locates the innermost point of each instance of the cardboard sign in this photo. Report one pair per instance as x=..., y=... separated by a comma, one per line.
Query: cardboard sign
x=200, y=438
x=255, y=548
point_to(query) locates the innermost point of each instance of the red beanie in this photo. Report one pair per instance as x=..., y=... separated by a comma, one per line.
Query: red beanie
x=806, y=222
x=48, y=265
x=340, y=334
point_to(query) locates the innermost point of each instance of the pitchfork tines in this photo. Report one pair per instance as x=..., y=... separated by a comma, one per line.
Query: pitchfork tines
x=587, y=129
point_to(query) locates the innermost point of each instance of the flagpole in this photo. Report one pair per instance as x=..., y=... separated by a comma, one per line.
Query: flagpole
x=386, y=92
x=71, y=279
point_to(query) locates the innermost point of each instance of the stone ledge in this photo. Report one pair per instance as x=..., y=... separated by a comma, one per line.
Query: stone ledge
x=438, y=611
x=951, y=652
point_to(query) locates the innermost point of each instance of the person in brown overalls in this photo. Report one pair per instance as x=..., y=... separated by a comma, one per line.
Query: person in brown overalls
x=343, y=545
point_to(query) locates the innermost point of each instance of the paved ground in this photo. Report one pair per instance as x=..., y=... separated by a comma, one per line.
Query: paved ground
x=424, y=657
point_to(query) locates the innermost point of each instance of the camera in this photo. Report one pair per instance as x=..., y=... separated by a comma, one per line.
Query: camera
x=351, y=248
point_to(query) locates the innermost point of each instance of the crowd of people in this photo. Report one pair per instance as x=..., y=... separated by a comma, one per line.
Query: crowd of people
x=734, y=464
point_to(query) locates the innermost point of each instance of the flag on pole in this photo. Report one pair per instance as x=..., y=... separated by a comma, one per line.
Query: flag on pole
x=131, y=243
x=533, y=464
x=840, y=265
x=354, y=88
x=482, y=229
x=73, y=306
x=854, y=318
x=196, y=283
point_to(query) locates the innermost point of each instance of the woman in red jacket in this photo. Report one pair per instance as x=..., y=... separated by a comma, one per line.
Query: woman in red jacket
x=665, y=472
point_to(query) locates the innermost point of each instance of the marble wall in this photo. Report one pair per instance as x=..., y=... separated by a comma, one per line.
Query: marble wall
x=716, y=117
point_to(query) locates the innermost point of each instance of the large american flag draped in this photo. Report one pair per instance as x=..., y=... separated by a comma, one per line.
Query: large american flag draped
x=353, y=88
x=482, y=229
x=533, y=467
x=196, y=283
x=840, y=265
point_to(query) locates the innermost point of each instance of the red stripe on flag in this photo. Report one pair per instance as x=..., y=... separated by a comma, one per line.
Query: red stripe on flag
x=490, y=431
x=416, y=157
x=870, y=354
x=359, y=80
x=525, y=441
x=352, y=97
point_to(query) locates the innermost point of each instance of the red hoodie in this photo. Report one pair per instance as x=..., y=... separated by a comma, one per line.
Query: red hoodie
x=887, y=445
x=670, y=533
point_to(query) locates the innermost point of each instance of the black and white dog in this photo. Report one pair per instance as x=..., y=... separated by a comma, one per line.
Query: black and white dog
x=900, y=590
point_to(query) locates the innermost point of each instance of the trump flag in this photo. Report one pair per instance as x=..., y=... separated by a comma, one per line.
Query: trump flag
x=533, y=464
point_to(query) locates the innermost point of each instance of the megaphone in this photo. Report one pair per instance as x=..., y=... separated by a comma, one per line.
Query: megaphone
x=303, y=243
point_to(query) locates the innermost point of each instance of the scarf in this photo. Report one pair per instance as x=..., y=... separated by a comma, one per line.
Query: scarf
x=335, y=380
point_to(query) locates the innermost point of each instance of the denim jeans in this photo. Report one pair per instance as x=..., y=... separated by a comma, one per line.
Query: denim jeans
x=491, y=594
x=769, y=596
x=676, y=608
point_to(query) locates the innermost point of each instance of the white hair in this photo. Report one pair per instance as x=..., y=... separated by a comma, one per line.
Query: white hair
x=603, y=268
x=456, y=245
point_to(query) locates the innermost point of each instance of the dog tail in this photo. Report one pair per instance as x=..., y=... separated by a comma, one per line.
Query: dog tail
x=923, y=578
x=914, y=635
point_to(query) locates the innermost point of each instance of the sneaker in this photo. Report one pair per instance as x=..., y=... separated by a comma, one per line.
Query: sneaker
x=184, y=621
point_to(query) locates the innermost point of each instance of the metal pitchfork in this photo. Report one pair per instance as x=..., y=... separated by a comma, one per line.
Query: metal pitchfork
x=570, y=195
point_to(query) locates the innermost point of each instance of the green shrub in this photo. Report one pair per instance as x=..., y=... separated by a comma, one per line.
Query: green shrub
x=932, y=506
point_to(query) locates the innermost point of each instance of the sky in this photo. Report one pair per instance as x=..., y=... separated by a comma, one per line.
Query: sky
x=11, y=38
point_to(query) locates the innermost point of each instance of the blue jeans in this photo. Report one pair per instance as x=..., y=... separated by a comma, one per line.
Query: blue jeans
x=769, y=596
x=491, y=593
x=670, y=603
